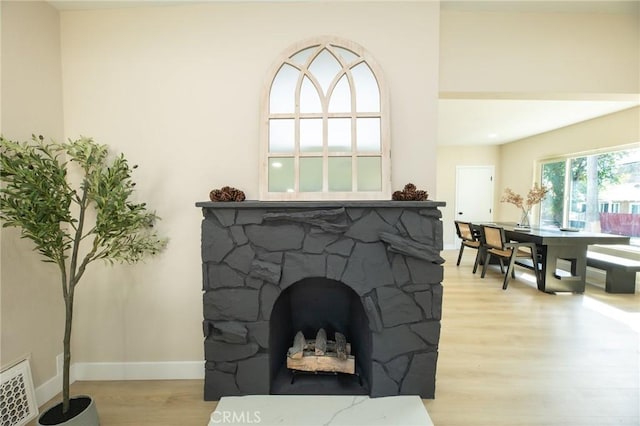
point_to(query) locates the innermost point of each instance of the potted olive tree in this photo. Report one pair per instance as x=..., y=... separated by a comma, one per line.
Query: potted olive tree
x=75, y=202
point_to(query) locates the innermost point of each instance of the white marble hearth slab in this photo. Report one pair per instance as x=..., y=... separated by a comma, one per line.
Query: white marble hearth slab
x=320, y=410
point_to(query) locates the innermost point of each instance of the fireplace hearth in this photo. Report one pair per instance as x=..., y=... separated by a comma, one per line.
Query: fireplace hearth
x=366, y=271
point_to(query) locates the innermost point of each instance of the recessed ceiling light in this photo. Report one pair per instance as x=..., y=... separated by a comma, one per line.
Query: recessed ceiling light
x=492, y=135
x=276, y=164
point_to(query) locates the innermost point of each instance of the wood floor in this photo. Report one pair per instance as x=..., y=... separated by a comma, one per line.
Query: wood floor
x=514, y=357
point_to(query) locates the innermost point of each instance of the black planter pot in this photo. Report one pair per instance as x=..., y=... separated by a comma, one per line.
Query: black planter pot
x=82, y=412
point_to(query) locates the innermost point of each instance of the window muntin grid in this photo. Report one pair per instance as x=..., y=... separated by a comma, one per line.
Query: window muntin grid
x=326, y=118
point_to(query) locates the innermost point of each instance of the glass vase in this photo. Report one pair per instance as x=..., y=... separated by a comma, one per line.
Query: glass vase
x=525, y=221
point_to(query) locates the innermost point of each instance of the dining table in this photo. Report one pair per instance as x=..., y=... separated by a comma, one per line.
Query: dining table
x=560, y=244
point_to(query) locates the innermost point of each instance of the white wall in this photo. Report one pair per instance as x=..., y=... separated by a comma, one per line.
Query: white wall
x=32, y=313
x=178, y=89
x=539, y=53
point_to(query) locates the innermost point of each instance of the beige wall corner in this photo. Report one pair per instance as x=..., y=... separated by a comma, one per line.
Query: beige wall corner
x=32, y=314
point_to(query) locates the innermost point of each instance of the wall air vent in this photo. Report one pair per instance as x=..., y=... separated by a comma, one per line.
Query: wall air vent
x=17, y=397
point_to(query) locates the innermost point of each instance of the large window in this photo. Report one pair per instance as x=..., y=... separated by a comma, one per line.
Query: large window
x=326, y=131
x=598, y=193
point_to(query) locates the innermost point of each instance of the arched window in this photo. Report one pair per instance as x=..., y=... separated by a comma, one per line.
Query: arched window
x=325, y=132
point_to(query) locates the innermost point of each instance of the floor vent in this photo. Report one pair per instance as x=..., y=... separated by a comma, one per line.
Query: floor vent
x=17, y=397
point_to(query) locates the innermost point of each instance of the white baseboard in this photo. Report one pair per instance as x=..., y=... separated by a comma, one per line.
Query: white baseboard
x=172, y=370
x=53, y=386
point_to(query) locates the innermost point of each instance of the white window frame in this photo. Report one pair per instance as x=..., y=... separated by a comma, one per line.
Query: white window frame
x=614, y=207
x=383, y=114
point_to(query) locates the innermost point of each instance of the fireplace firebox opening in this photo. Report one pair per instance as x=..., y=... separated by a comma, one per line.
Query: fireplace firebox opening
x=310, y=305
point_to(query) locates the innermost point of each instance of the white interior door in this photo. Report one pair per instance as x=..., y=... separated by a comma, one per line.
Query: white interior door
x=474, y=193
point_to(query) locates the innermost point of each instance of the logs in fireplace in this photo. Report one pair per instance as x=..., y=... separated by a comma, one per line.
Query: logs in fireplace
x=320, y=354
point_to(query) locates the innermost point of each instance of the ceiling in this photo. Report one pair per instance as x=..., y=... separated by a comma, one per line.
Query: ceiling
x=498, y=121
x=486, y=119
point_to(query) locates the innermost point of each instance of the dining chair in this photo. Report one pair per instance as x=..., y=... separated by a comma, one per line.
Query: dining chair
x=469, y=239
x=495, y=244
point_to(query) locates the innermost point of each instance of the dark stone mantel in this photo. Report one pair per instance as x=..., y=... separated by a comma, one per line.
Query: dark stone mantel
x=387, y=252
x=319, y=204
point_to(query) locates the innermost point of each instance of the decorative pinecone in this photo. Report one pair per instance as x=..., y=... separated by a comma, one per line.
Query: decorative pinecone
x=398, y=196
x=226, y=193
x=410, y=193
x=421, y=195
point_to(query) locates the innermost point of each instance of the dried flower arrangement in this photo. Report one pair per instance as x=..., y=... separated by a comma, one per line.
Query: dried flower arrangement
x=534, y=196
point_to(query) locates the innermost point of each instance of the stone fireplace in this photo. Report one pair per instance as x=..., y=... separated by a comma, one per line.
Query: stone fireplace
x=370, y=270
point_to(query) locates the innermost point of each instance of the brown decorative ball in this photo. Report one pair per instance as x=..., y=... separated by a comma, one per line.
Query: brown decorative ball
x=226, y=193
x=410, y=193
